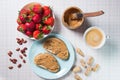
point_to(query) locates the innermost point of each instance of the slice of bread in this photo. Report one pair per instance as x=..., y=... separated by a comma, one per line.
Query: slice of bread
x=47, y=61
x=57, y=47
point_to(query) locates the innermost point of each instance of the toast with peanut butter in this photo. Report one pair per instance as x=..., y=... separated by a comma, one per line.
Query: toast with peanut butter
x=47, y=61
x=57, y=47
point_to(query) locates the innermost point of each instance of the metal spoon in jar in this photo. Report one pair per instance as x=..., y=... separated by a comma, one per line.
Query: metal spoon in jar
x=77, y=16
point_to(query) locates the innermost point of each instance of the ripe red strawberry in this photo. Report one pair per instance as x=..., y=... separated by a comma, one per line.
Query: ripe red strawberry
x=49, y=21
x=46, y=11
x=37, y=8
x=30, y=26
x=24, y=11
x=45, y=7
x=19, y=21
x=38, y=26
x=37, y=18
x=37, y=34
x=29, y=17
x=22, y=18
x=46, y=29
x=28, y=33
x=22, y=28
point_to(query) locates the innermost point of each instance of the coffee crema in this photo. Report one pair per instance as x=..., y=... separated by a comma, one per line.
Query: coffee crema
x=94, y=37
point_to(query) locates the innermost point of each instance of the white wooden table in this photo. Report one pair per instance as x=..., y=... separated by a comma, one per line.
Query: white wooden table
x=108, y=57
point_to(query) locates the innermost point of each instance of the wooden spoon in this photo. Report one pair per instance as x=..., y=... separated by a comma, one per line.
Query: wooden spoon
x=77, y=16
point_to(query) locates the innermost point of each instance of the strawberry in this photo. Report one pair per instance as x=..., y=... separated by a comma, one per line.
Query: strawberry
x=46, y=29
x=49, y=21
x=37, y=34
x=46, y=11
x=22, y=18
x=37, y=18
x=19, y=21
x=38, y=26
x=45, y=7
x=37, y=8
x=30, y=26
x=28, y=33
x=24, y=11
x=29, y=18
x=22, y=28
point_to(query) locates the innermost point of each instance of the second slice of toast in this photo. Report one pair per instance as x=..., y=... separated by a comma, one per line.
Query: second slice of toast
x=57, y=47
x=47, y=61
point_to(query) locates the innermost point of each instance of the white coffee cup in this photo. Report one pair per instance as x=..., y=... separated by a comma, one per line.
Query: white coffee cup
x=103, y=37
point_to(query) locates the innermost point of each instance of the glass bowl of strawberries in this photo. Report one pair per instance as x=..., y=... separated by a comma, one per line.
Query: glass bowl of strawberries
x=35, y=20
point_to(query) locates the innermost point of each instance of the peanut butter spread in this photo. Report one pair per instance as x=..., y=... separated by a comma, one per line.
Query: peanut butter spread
x=67, y=18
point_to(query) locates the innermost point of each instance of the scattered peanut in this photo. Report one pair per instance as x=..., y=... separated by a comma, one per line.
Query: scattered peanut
x=80, y=52
x=77, y=77
x=87, y=65
x=88, y=70
x=96, y=67
x=77, y=69
x=83, y=63
x=90, y=61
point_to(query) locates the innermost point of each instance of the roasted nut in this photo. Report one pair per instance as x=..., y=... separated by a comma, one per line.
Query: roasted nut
x=96, y=67
x=24, y=61
x=90, y=61
x=25, y=41
x=22, y=40
x=24, y=55
x=88, y=70
x=10, y=67
x=83, y=63
x=77, y=77
x=19, y=65
x=14, y=61
x=20, y=43
x=80, y=52
x=10, y=53
x=18, y=39
x=25, y=48
x=18, y=49
x=77, y=69
x=21, y=57
x=10, y=59
x=22, y=51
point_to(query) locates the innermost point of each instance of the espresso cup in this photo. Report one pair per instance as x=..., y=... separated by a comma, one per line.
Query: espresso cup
x=94, y=37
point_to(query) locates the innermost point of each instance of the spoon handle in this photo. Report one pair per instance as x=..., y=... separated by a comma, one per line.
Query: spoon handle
x=93, y=14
